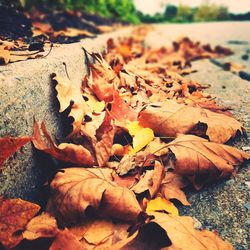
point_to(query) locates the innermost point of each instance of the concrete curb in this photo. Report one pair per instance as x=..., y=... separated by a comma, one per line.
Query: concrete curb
x=26, y=91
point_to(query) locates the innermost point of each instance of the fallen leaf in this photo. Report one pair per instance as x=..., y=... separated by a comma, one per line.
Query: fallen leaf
x=144, y=183
x=104, y=80
x=103, y=147
x=14, y=216
x=44, y=226
x=126, y=116
x=66, y=152
x=74, y=190
x=151, y=180
x=94, y=232
x=158, y=175
x=161, y=204
x=67, y=93
x=9, y=145
x=4, y=55
x=181, y=232
x=142, y=139
x=171, y=188
x=171, y=118
x=66, y=240
x=202, y=161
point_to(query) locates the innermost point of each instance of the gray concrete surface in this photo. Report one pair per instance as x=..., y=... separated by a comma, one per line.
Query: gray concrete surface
x=26, y=91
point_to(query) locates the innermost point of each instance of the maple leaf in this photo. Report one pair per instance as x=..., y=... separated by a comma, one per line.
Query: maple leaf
x=202, y=161
x=181, y=232
x=68, y=93
x=9, y=145
x=67, y=152
x=44, y=226
x=14, y=216
x=66, y=240
x=170, y=118
x=74, y=190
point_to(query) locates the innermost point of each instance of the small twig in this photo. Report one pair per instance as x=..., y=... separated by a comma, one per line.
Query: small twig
x=66, y=70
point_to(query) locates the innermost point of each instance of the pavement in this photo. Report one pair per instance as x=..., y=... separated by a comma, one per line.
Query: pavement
x=25, y=88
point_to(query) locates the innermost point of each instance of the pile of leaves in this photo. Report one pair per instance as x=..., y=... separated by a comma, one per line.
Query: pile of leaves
x=26, y=35
x=141, y=133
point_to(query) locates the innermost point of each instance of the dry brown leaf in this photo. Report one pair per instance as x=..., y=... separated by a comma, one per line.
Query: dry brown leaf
x=9, y=145
x=66, y=152
x=144, y=183
x=4, y=55
x=94, y=232
x=42, y=226
x=14, y=216
x=103, y=147
x=104, y=80
x=171, y=188
x=74, y=190
x=181, y=232
x=170, y=118
x=99, y=234
x=121, y=111
x=158, y=175
x=72, y=32
x=67, y=92
x=203, y=161
x=151, y=180
x=66, y=240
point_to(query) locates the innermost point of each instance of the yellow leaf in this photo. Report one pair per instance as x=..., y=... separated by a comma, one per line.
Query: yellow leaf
x=133, y=127
x=142, y=139
x=159, y=204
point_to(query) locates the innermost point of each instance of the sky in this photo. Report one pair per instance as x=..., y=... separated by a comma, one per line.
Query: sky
x=154, y=6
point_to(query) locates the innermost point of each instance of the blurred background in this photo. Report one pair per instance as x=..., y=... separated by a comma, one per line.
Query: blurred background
x=136, y=11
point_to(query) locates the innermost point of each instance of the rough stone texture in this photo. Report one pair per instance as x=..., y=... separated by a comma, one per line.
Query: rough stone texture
x=223, y=206
x=26, y=92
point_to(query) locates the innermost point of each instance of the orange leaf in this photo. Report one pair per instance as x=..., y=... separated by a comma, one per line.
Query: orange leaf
x=202, y=161
x=14, y=216
x=76, y=189
x=66, y=240
x=170, y=118
x=42, y=226
x=9, y=145
x=67, y=152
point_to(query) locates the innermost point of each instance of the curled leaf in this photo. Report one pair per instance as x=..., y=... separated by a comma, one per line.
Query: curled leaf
x=42, y=226
x=66, y=152
x=171, y=118
x=74, y=190
x=203, y=161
